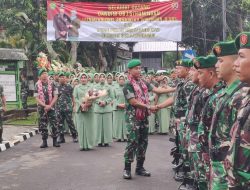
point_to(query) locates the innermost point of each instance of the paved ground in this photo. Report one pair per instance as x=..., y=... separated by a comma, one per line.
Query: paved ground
x=28, y=167
x=9, y=131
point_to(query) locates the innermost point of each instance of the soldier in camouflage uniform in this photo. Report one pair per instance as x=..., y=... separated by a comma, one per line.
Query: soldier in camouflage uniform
x=24, y=93
x=195, y=103
x=207, y=79
x=238, y=156
x=136, y=118
x=224, y=114
x=46, y=97
x=2, y=109
x=65, y=104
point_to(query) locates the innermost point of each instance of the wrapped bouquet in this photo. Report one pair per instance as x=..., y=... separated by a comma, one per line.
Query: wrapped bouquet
x=91, y=96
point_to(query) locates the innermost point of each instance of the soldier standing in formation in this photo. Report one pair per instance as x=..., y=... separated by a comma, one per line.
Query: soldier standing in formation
x=24, y=93
x=46, y=95
x=2, y=110
x=65, y=104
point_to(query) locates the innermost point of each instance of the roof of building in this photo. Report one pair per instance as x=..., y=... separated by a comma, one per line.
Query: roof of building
x=12, y=54
x=156, y=46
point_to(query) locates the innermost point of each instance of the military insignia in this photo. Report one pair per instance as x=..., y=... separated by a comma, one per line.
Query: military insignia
x=217, y=50
x=243, y=39
x=175, y=5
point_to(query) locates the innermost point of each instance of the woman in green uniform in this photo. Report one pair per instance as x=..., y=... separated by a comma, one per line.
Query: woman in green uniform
x=164, y=114
x=84, y=117
x=120, y=132
x=103, y=114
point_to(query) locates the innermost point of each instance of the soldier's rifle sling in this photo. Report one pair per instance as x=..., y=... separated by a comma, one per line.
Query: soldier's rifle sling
x=242, y=121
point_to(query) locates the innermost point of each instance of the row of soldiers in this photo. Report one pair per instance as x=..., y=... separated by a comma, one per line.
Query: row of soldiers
x=92, y=118
x=211, y=110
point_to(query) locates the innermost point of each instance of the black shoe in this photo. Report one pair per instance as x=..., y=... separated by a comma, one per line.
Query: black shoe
x=44, y=144
x=84, y=149
x=61, y=139
x=119, y=140
x=127, y=174
x=142, y=172
x=55, y=143
x=179, y=176
x=106, y=145
x=100, y=145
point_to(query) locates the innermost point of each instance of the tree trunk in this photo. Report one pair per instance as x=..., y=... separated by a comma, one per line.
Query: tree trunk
x=103, y=62
x=73, y=52
x=50, y=49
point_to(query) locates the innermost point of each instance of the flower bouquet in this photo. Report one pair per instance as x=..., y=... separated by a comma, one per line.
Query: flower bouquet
x=90, y=97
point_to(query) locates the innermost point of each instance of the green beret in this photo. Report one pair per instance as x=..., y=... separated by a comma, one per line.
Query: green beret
x=221, y=49
x=133, y=63
x=67, y=74
x=41, y=71
x=242, y=41
x=184, y=63
x=205, y=62
x=51, y=73
x=61, y=74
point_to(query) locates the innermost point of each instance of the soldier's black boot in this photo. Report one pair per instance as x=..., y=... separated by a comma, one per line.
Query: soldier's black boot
x=140, y=170
x=1, y=135
x=55, y=143
x=75, y=140
x=44, y=144
x=127, y=171
x=61, y=139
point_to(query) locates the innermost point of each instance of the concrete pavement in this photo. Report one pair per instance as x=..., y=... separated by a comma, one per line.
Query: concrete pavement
x=28, y=167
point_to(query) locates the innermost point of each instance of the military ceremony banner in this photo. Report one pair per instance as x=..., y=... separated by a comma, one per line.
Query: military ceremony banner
x=114, y=22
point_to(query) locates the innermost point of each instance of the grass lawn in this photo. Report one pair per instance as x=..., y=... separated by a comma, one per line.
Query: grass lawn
x=31, y=101
x=31, y=120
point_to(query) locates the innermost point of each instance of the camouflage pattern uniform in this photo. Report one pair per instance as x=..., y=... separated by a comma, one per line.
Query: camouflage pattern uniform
x=196, y=101
x=238, y=157
x=137, y=130
x=47, y=118
x=24, y=94
x=224, y=117
x=65, y=108
x=180, y=107
x=203, y=131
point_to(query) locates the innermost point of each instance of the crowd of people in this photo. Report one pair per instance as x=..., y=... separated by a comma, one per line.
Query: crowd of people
x=203, y=101
x=211, y=116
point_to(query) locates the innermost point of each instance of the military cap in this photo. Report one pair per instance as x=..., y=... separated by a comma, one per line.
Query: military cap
x=41, y=71
x=133, y=63
x=205, y=62
x=160, y=72
x=67, y=74
x=62, y=74
x=221, y=49
x=242, y=41
x=51, y=73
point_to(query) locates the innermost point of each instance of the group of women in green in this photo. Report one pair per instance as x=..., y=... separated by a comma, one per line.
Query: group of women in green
x=104, y=120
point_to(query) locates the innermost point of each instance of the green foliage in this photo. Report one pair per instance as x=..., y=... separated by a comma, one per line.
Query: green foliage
x=31, y=120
